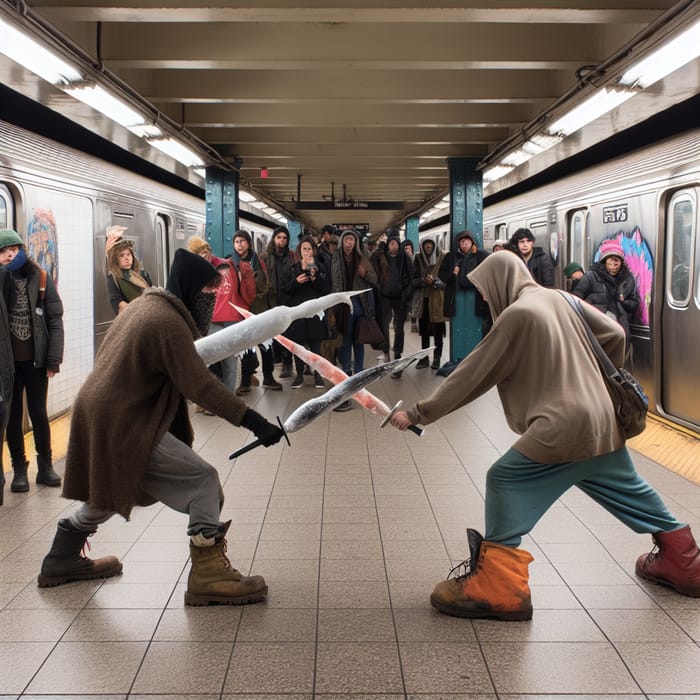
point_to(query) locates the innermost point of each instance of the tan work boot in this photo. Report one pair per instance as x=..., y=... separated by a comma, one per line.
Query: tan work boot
x=213, y=580
x=65, y=561
x=496, y=585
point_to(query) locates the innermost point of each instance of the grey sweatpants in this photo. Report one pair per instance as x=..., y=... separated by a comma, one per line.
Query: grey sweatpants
x=178, y=477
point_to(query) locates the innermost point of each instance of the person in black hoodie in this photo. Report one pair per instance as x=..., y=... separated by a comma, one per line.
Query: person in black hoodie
x=537, y=261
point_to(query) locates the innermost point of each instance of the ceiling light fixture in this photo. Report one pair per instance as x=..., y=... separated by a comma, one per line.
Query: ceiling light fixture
x=598, y=104
x=98, y=98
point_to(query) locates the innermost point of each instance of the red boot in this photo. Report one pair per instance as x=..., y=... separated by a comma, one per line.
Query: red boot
x=674, y=562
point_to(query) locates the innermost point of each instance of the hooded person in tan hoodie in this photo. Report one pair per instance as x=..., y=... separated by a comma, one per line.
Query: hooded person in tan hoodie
x=569, y=436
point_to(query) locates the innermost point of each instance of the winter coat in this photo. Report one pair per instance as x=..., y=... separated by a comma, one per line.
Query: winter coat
x=466, y=264
x=541, y=267
x=313, y=328
x=123, y=290
x=279, y=272
x=46, y=317
x=394, y=277
x=7, y=362
x=237, y=287
x=144, y=370
x=434, y=295
x=340, y=283
x=539, y=357
x=616, y=296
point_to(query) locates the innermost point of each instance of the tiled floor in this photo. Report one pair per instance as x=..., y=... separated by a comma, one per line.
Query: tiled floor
x=351, y=527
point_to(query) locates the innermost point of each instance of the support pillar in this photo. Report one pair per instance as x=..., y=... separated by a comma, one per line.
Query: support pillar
x=221, y=192
x=412, y=232
x=295, y=229
x=466, y=212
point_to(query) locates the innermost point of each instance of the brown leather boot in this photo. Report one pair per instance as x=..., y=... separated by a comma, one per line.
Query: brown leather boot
x=674, y=562
x=495, y=585
x=65, y=561
x=213, y=580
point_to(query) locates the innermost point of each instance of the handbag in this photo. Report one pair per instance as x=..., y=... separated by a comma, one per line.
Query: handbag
x=368, y=332
x=630, y=402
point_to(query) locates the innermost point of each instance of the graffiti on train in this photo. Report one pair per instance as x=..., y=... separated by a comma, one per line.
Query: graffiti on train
x=42, y=241
x=638, y=259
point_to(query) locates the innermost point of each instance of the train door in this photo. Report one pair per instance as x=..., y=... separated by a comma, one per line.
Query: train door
x=7, y=208
x=576, y=239
x=680, y=312
x=162, y=251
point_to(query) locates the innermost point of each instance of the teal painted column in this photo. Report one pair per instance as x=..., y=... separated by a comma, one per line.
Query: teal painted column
x=466, y=212
x=295, y=228
x=412, y=232
x=221, y=191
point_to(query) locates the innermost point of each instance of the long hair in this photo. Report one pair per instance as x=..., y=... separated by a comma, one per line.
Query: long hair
x=116, y=272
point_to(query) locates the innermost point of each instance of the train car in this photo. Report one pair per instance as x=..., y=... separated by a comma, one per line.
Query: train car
x=648, y=201
x=62, y=201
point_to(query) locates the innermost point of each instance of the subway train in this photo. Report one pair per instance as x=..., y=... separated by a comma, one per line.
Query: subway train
x=62, y=201
x=648, y=201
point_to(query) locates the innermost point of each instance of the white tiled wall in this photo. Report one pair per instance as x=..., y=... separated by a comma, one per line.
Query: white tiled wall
x=74, y=217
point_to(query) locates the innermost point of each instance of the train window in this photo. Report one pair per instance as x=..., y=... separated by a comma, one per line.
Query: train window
x=6, y=208
x=502, y=231
x=680, y=234
x=576, y=245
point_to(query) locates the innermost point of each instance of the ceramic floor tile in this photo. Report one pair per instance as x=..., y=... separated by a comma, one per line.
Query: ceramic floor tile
x=663, y=668
x=261, y=624
x=353, y=594
x=191, y=624
x=557, y=668
x=36, y=625
x=79, y=667
x=19, y=661
x=639, y=626
x=355, y=626
x=113, y=626
x=444, y=667
x=132, y=595
x=183, y=667
x=545, y=626
x=263, y=668
x=613, y=597
x=366, y=668
x=292, y=594
x=352, y=570
x=427, y=625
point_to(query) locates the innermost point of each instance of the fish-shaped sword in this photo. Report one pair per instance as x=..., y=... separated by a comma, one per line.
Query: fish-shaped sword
x=262, y=327
x=336, y=375
x=312, y=409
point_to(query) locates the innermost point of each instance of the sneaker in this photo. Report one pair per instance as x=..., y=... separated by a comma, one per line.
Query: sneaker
x=345, y=406
x=422, y=363
x=298, y=381
x=318, y=381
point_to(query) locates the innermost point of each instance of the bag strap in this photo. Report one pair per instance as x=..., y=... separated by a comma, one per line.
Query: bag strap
x=603, y=360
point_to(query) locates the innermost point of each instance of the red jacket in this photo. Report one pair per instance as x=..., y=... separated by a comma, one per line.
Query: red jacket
x=237, y=287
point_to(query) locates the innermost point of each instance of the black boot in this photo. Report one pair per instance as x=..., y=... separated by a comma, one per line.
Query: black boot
x=65, y=561
x=45, y=474
x=20, y=483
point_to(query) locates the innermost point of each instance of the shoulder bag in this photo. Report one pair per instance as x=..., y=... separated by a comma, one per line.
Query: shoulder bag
x=630, y=402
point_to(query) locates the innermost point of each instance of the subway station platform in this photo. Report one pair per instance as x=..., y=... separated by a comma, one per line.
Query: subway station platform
x=351, y=526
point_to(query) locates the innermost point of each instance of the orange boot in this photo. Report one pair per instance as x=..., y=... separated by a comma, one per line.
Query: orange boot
x=674, y=562
x=495, y=586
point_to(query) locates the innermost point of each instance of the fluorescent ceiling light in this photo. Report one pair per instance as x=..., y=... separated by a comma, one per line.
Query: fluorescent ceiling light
x=245, y=196
x=146, y=131
x=27, y=52
x=98, y=98
x=590, y=109
x=496, y=172
x=679, y=51
x=516, y=158
x=178, y=151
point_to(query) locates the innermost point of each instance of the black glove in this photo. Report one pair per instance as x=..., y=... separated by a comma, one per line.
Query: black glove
x=268, y=433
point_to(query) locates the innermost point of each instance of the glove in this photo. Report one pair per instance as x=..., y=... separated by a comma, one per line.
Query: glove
x=268, y=433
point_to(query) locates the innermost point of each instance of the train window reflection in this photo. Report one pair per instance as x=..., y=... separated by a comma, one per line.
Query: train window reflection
x=5, y=208
x=577, y=238
x=681, y=236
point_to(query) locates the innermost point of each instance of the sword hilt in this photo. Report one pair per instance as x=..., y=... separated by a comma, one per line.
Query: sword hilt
x=257, y=443
x=413, y=428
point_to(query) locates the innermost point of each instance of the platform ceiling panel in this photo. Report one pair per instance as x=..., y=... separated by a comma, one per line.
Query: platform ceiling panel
x=363, y=99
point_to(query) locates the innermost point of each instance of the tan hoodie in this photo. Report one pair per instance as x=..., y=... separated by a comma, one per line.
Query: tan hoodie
x=537, y=354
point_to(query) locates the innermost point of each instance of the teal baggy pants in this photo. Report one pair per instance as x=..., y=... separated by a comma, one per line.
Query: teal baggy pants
x=520, y=491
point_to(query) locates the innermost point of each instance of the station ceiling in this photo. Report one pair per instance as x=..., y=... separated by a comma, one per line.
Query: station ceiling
x=357, y=101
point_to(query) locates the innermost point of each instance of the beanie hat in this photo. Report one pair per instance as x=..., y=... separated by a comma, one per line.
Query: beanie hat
x=243, y=234
x=610, y=247
x=500, y=242
x=466, y=234
x=522, y=233
x=9, y=237
x=392, y=234
x=198, y=245
x=571, y=268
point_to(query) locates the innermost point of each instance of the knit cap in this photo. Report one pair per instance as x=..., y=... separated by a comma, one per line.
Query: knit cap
x=610, y=247
x=466, y=234
x=243, y=234
x=571, y=268
x=9, y=237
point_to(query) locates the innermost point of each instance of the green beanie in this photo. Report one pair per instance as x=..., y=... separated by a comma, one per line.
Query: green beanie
x=571, y=268
x=9, y=237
